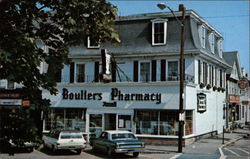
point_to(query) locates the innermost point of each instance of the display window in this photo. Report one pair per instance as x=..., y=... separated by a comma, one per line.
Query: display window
x=152, y=122
x=95, y=124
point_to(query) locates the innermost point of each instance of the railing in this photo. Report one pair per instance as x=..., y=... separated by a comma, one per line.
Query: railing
x=144, y=79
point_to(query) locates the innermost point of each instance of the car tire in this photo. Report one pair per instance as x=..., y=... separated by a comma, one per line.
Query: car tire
x=78, y=151
x=109, y=151
x=135, y=154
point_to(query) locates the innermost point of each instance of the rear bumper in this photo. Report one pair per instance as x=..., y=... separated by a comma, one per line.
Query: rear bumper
x=70, y=147
x=120, y=150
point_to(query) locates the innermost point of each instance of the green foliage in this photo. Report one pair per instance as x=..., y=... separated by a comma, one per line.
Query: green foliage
x=26, y=25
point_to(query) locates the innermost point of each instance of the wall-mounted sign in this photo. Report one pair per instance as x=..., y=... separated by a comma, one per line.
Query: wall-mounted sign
x=107, y=104
x=232, y=98
x=10, y=101
x=201, y=102
x=9, y=95
x=115, y=95
x=243, y=83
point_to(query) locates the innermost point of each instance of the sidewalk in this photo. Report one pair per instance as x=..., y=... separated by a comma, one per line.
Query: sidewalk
x=207, y=146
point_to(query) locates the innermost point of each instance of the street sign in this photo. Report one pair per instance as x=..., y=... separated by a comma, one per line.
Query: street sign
x=243, y=83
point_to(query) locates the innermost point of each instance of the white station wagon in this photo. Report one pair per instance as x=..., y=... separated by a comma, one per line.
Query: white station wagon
x=64, y=140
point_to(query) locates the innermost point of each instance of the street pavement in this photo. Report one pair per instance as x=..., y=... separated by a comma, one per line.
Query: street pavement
x=237, y=146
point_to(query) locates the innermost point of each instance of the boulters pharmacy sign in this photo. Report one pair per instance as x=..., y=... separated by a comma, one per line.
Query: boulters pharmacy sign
x=115, y=94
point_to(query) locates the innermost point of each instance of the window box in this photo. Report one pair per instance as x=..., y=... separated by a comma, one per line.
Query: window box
x=209, y=86
x=214, y=88
x=202, y=85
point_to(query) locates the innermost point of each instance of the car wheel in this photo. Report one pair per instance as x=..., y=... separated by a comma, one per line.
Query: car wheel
x=135, y=154
x=78, y=151
x=109, y=151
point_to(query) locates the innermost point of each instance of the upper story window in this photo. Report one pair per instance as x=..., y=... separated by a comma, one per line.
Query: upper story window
x=172, y=70
x=219, y=47
x=159, y=32
x=10, y=84
x=202, y=35
x=91, y=44
x=80, y=73
x=145, y=71
x=211, y=41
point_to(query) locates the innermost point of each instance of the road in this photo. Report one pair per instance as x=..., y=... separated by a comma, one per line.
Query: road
x=47, y=154
x=239, y=149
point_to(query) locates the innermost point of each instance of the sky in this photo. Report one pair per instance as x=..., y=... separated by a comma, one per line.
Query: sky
x=228, y=17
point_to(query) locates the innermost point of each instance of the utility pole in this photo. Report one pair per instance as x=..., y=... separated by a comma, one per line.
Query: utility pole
x=182, y=74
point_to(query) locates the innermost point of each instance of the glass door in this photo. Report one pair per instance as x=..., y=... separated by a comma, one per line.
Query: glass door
x=124, y=122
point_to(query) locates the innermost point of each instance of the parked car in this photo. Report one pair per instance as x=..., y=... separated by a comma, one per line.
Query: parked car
x=65, y=140
x=114, y=141
x=8, y=145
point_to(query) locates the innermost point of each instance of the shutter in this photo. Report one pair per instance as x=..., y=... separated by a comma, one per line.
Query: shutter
x=154, y=66
x=135, y=71
x=113, y=71
x=163, y=70
x=199, y=71
x=96, y=71
x=72, y=72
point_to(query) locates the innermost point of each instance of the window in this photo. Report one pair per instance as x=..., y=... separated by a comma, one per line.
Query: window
x=157, y=122
x=172, y=70
x=189, y=122
x=10, y=84
x=80, y=72
x=144, y=71
x=219, y=47
x=202, y=34
x=91, y=44
x=159, y=32
x=211, y=42
x=95, y=124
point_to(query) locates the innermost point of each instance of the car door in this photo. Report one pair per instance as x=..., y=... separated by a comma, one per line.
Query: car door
x=102, y=141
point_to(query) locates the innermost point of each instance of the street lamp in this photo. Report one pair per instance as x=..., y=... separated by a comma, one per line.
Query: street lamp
x=182, y=71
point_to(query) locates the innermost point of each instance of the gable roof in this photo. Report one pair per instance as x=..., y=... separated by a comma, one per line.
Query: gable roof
x=232, y=58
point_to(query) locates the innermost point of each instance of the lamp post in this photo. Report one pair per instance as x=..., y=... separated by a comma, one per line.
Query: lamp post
x=182, y=71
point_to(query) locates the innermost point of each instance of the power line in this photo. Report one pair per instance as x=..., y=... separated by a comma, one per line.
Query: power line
x=229, y=16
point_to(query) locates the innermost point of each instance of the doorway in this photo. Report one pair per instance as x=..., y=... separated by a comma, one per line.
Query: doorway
x=110, y=121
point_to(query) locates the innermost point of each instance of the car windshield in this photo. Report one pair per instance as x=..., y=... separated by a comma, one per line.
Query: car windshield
x=71, y=136
x=120, y=136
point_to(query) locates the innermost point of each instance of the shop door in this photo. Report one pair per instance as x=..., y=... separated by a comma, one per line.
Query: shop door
x=110, y=121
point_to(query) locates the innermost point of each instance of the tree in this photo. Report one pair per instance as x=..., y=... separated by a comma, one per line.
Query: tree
x=58, y=24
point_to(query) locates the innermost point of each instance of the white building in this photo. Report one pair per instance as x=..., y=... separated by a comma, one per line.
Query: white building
x=143, y=96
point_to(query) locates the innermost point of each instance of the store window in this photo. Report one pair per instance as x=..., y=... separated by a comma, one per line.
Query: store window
x=144, y=71
x=169, y=123
x=75, y=119
x=172, y=70
x=189, y=122
x=124, y=122
x=95, y=124
x=58, y=119
x=147, y=122
x=157, y=122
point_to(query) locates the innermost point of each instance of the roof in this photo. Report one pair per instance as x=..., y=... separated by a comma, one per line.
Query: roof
x=232, y=58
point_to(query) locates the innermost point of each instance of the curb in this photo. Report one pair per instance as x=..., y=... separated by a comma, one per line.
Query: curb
x=157, y=152
x=222, y=156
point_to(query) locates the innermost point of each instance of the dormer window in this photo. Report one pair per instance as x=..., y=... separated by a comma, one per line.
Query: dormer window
x=202, y=35
x=159, y=32
x=219, y=47
x=211, y=41
x=91, y=44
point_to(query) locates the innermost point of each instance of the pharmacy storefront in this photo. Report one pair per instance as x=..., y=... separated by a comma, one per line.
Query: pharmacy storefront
x=148, y=111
